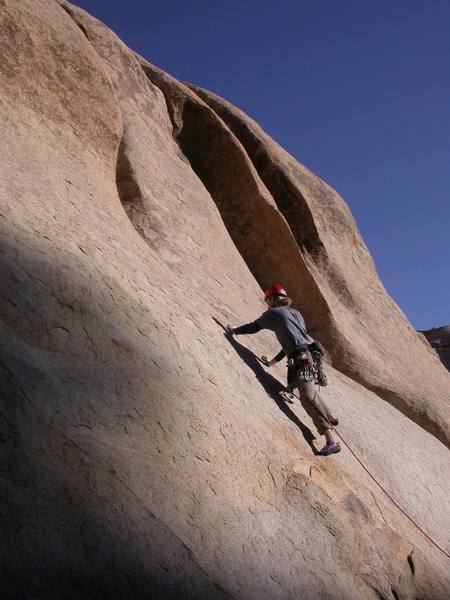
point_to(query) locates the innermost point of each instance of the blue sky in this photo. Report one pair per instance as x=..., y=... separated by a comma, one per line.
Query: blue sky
x=356, y=90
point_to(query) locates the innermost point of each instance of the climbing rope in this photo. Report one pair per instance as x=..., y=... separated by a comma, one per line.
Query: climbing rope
x=379, y=484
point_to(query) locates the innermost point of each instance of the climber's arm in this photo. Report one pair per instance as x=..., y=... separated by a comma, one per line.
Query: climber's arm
x=244, y=329
x=269, y=363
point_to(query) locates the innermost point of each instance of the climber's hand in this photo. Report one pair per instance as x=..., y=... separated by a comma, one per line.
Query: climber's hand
x=265, y=361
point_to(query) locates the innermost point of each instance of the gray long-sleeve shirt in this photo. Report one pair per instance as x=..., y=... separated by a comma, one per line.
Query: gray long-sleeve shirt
x=287, y=324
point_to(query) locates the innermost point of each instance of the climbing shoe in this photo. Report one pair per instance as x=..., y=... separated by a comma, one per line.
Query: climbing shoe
x=330, y=449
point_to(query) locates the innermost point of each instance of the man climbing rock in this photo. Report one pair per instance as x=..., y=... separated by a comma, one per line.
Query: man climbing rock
x=290, y=330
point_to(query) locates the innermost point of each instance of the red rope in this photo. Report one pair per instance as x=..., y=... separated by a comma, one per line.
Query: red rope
x=379, y=484
x=392, y=499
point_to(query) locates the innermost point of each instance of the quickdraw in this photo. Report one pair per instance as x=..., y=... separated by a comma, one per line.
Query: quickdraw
x=301, y=368
x=317, y=351
x=305, y=365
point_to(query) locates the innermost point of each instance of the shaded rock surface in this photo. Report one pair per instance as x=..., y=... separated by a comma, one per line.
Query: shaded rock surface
x=144, y=454
x=439, y=338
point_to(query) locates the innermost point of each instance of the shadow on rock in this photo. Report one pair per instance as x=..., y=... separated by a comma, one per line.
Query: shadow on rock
x=271, y=385
x=76, y=523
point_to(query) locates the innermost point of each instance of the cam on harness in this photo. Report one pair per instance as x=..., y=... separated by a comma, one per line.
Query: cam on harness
x=305, y=364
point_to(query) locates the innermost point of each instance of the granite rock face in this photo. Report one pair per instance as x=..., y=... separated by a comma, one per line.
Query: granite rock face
x=367, y=335
x=143, y=453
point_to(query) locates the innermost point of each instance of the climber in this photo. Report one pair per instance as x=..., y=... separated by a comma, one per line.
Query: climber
x=290, y=330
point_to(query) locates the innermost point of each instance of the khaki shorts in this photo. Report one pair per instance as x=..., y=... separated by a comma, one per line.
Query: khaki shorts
x=309, y=395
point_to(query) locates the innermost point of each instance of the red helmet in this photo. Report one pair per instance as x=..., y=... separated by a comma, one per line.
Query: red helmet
x=275, y=290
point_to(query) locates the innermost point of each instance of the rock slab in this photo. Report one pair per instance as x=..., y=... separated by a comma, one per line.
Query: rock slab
x=143, y=453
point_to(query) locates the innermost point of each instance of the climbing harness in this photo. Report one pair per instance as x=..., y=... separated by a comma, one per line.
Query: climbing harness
x=305, y=364
x=301, y=367
x=394, y=502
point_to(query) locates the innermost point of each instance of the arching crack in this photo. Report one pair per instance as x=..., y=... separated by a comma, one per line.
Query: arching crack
x=130, y=195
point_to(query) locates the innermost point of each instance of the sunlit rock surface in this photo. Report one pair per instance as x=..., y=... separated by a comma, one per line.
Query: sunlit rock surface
x=144, y=454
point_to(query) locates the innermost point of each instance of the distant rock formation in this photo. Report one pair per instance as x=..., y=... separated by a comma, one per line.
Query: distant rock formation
x=143, y=453
x=439, y=338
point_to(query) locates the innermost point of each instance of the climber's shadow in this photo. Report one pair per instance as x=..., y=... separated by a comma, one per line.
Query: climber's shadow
x=271, y=385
